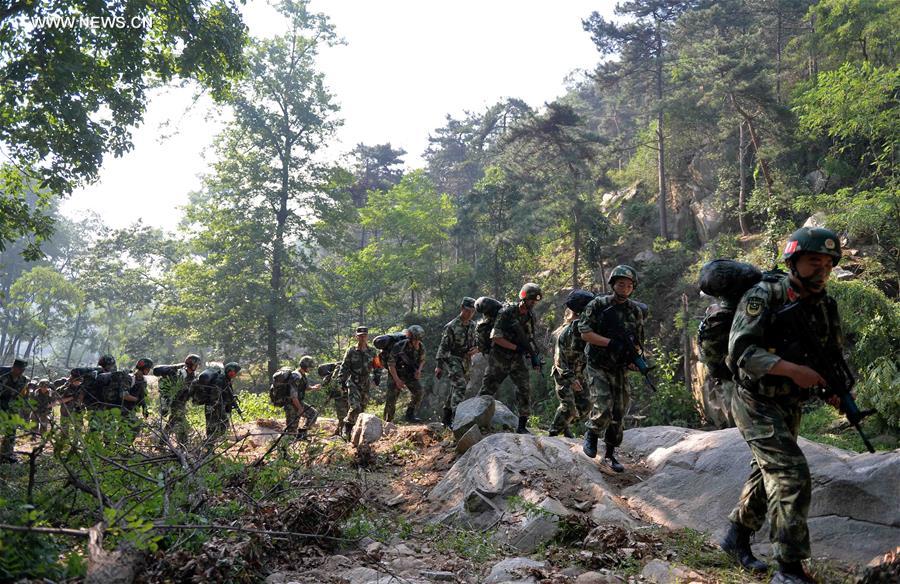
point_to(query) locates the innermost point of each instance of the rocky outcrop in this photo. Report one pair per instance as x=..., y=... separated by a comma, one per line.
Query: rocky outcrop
x=367, y=429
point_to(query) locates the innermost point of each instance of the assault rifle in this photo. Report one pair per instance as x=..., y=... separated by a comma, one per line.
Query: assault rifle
x=796, y=342
x=230, y=401
x=631, y=352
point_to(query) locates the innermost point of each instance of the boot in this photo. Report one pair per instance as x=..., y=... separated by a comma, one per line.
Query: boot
x=552, y=433
x=447, y=419
x=737, y=545
x=522, y=429
x=791, y=573
x=302, y=434
x=348, y=429
x=611, y=457
x=568, y=433
x=411, y=416
x=590, y=444
x=338, y=429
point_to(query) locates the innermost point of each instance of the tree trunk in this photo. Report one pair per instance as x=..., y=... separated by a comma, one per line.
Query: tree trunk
x=660, y=139
x=742, y=177
x=75, y=330
x=755, y=141
x=686, y=344
x=778, y=59
x=276, y=280
x=29, y=347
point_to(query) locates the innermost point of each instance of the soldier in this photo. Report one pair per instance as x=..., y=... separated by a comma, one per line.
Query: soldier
x=405, y=362
x=454, y=356
x=355, y=369
x=43, y=411
x=568, y=367
x=767, y=402
x=93, y=400
x=70, y=402
x=136, y=397
x=215, y=387
x=512, y=338
x=12, y=383
x=330, y=374
x=295, y=408
x=612, y=325
x=178, y=393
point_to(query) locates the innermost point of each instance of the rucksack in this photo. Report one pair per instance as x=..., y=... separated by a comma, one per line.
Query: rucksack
x=385, y=342
x=110, y=387
x=490, y=307
x=202, y=390
x=281, y=386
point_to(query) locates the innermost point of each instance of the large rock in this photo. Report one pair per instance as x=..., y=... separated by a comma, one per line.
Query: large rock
x=513, y=570
x=367, y=429
x=472, y=437
x=478, y=410
x=708, y=218
x=697, y=477
x=503, y=420
x=523, y=485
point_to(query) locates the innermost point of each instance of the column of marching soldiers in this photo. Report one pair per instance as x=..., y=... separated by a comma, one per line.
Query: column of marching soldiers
x=765, y=379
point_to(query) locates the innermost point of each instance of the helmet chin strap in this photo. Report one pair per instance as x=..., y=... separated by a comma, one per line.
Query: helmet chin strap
x=809, y=283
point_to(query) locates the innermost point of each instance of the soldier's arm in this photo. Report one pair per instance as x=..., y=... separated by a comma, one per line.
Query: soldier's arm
x=499, y=332
x=560, y=357
x=443, y=350
x=587, y=323
x=345, y=367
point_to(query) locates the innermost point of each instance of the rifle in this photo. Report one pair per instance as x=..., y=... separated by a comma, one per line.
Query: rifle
x=798, y=343
x=230, y=401
x=632, y=351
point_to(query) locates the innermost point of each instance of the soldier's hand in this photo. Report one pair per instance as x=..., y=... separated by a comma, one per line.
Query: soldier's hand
x=472, y=352
x=576, y=386
x=315, y=387
x=438, y=372
x=632, y=367
x=806, y=378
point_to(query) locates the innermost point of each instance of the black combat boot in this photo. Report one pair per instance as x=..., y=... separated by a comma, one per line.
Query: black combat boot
x=302, y=434
x=522, y=429
x=447, y=419
x=568, y=433
x=737, y=545
x=610, y=457
x=348, y=428
x=552, y=433
x=411, y=416
x=791, y=573
x=590, y=444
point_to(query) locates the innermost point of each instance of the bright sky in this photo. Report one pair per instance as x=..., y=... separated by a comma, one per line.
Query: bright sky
x=406, y=65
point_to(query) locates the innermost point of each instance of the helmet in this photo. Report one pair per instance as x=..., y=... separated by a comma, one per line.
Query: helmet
x=487, y=305
x=467, y=302
x=531, y=291
x=232, y=366
x=815, y=239
x=416, y=332
x=106, y=361
x=307, y=362
x=192, y=359
x=75, y=374
x=144, y=364
x=326, y=369
x=578, y=300
x=44, y=382
x=623, y=271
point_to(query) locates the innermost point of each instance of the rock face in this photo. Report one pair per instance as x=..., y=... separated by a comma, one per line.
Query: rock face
x=503, y=419
x=368, y=429
x=477, y=411
x=472, y=437
x=513, y=570
x=697, y=477
x=523, y=485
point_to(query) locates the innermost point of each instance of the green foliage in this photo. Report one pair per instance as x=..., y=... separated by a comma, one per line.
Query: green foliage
x=671, y=404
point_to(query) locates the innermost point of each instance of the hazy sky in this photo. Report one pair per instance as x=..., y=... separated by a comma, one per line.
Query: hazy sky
x=406, y=65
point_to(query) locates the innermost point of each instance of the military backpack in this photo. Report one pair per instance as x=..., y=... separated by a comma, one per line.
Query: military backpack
x=204, y=387
x=280, y=390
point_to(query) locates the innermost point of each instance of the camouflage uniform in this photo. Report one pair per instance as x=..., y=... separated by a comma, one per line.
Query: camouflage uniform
x=10, y=390
x=407, y=360
x=139, y=390
x=44, y=410
x=568, y=367
x=70, y=406
x=453, y=359
x=298, y=387
x=767, y=411
x=335, y=391
x=181, y=387
x=503, y=363
x=605, y=373
x=218, y=412
x=355, y=369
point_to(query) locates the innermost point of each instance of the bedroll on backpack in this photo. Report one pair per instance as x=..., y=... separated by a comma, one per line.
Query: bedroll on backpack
x=110, y=387
x=167, y=370
x=385, y=342
x=712, y=337
x=490, y=307
x=202, y=389
x=280, y=389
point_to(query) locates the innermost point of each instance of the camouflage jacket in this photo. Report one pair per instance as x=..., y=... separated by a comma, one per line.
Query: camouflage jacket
x=458, y=339
x=11, y=388
x=406, y=358
x=483, y=334
x=612, y=320
x=752, y=338
x=44, y=401
x=568, y=357
x=514, y=326
x=299, y=386
x=356, y=366
x=138, y=389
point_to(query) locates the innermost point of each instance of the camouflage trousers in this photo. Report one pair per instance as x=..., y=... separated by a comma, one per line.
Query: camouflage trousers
x=292, y=416
x=43, y=420
x=573, y=406
x=390, y=397
x=8, y=443
x=177, y=423
x=456, y=371
x=358, y=399
x=216, y=421
x=341, y=403
x=502, y=364
x=779, y=478
x=609, y=402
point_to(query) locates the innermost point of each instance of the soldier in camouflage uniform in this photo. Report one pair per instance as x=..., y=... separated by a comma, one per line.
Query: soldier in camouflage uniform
x=218, y=411
x=454, y=356
x=512, y=338
x=296, y=407
x=178, y=392
x=568, y=367
x=609, y=324
x=355, y=369
x=44, y=397
x=330, y=374
x=405, y=362
x=767, y=403
x=70, y=402
x=136, y=397
x=12, y=384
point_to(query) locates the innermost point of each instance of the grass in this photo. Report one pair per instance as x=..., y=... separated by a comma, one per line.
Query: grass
x=819, y=425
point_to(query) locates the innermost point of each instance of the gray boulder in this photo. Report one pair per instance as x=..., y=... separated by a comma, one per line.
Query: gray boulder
x=503, y=420
x=472, y=437
x=513, y=570
x=478, y=410
x=366, y=430
x=697, y=477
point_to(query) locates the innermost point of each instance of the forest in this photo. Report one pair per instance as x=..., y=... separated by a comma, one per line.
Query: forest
x=708, y=129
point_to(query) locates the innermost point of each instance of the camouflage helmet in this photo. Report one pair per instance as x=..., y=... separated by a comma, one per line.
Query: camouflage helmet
x=307, y=362
x=192, y=358
x=416, y=332
x=531, y=291
x=144, y=364
x=232, y=366
x=623, y=271
x=813, y=239
x=44, y=382
x=106, y=361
